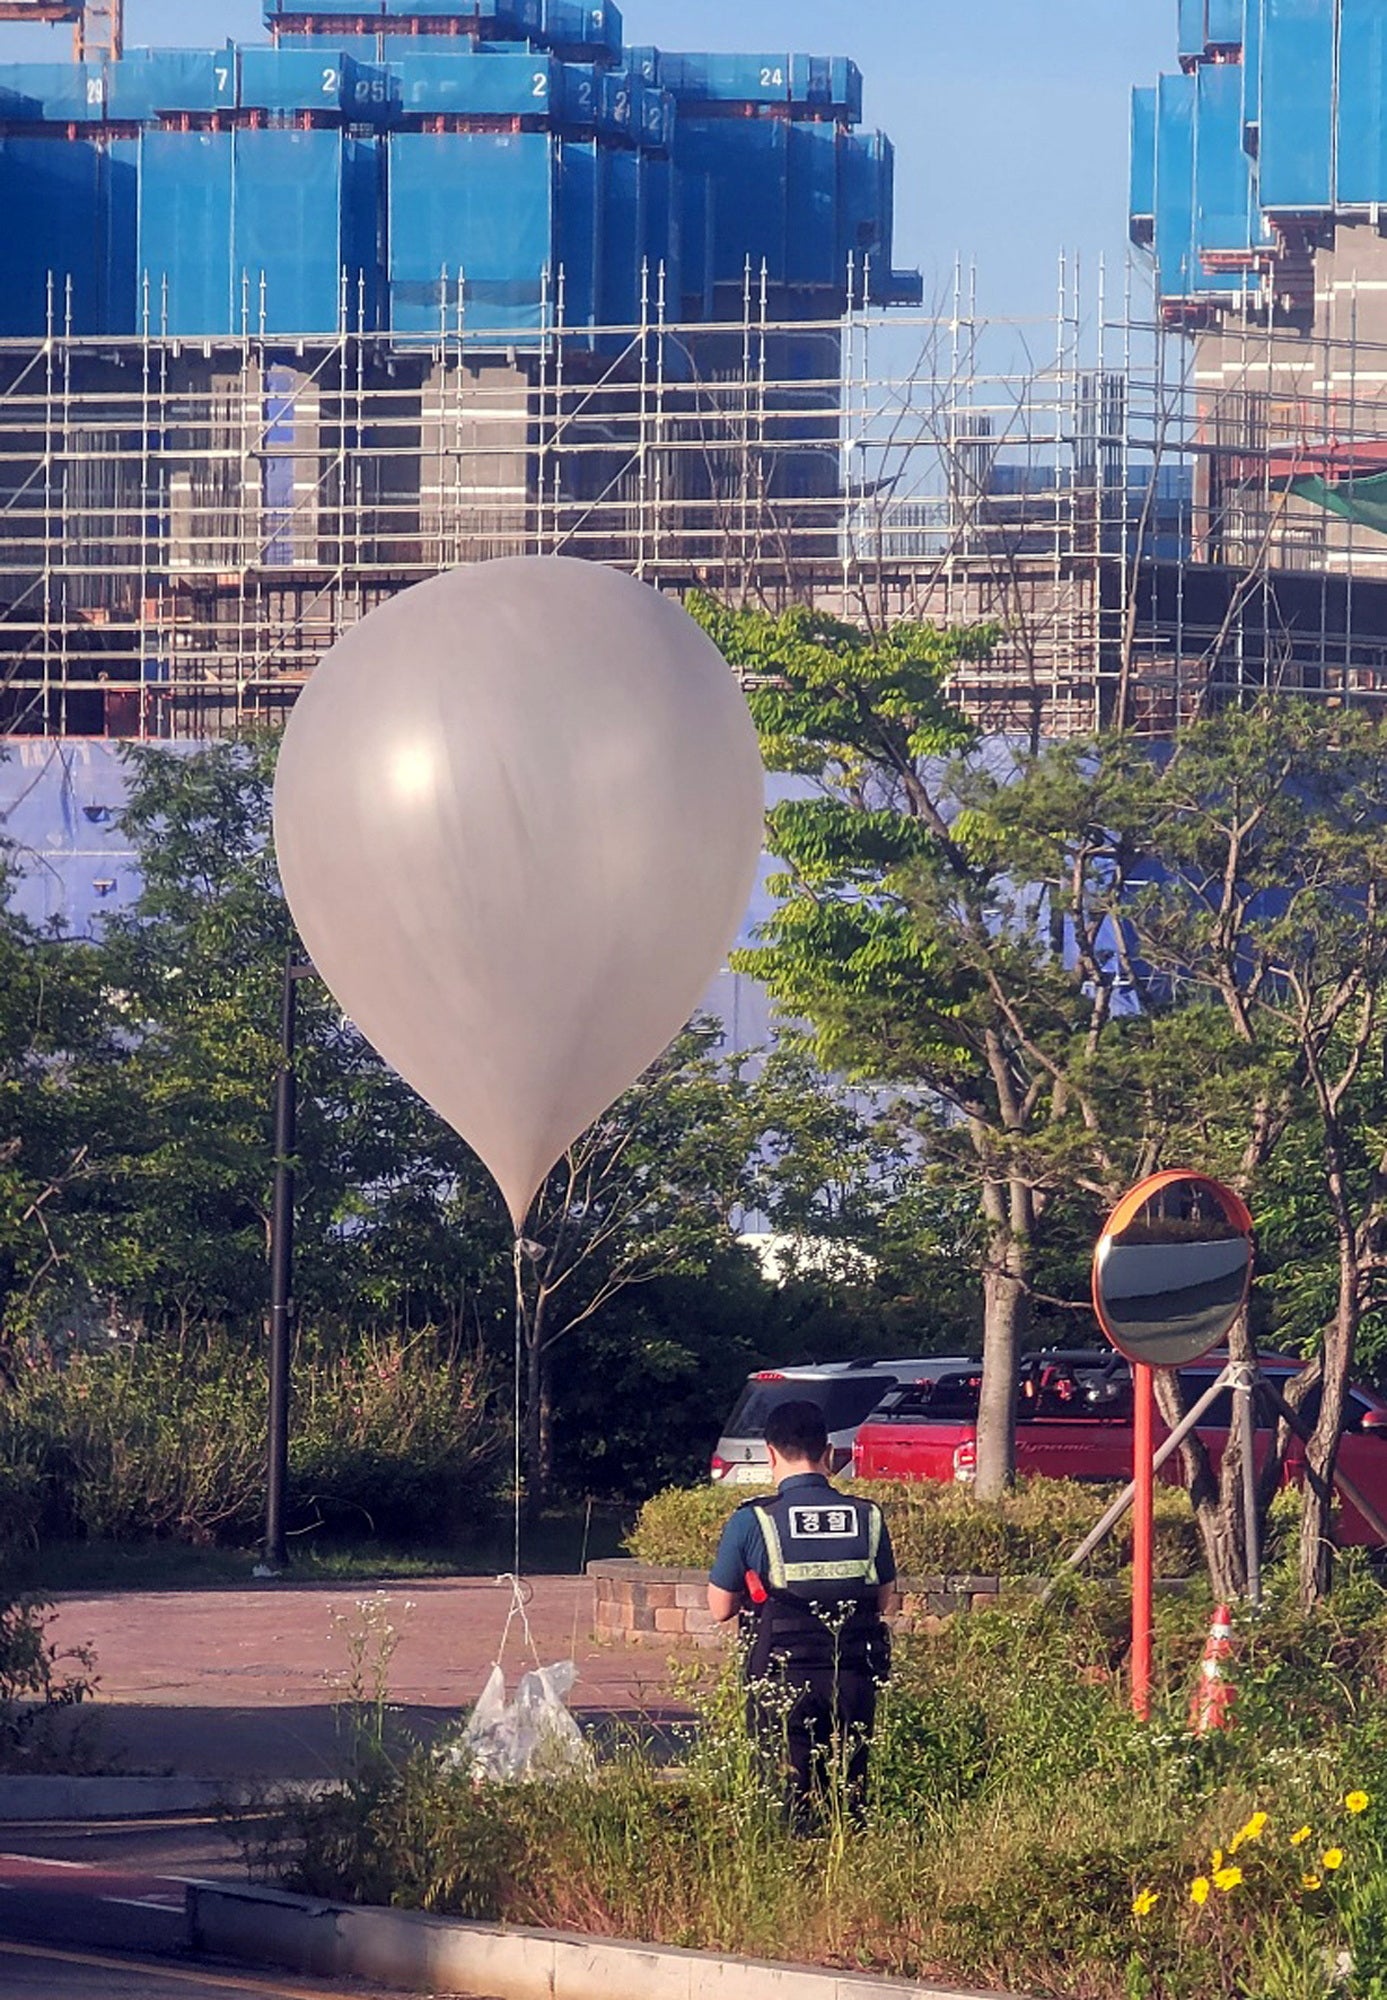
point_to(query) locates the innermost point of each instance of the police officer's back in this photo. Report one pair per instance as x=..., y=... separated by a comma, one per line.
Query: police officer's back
x=813, y=1572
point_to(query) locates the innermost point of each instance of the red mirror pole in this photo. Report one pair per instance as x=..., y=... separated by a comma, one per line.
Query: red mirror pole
x=1143, y=1509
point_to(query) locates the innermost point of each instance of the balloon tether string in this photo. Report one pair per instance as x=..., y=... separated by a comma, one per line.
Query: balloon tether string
x=519, y=1348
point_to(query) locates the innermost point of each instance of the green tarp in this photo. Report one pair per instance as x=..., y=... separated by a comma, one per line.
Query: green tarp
x=1362, y=501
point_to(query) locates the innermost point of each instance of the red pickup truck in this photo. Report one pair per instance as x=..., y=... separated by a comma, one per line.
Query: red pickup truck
x=1074, y=1421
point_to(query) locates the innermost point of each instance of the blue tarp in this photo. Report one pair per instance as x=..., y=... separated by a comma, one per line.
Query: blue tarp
x=56, y=186
x=57, y=93
x=866, y=197
x=280, y=437
x=662, y=234
x=588, y=24
x=580, y=230
x=149, y=81
x=812, y=241
x=476, y=207
x=1193, y=29
x=1252, y=62
x=1175, y=187
x=320, y=79
x=830, y=82
x=287, y=247
x=1143, y=165
x=746, y=160
x=656, y=115
x=185, y=231
x=1362, y=134
x=1296, y=156
x=1224, y=215
x=616, y=110
x=122, y=305
x=579, y=95
x=622, y=180
x=722, y=79
x=520, y=85
x=697, y=221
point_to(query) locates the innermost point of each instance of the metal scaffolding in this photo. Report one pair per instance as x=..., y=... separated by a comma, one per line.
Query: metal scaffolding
x=186, y=526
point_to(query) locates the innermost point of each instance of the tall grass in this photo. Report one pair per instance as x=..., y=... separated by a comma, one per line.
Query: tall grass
x=1018, y=1811
x=153, y=1440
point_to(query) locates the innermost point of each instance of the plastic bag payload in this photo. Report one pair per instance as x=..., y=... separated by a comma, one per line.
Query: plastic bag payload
x=534, y=1736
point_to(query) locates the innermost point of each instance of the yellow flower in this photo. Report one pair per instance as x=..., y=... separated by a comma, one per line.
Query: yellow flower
x=1216, y=1861
x=1357, y=1802
x=1309, y=1881
x=1300, y=1836
x=1199, y=1890
x=1332, y=1858
x=1254, y=1830
x=1228, y=1878
x=1145, y=1901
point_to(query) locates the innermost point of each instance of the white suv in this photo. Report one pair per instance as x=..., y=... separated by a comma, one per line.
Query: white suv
x=846, y=1391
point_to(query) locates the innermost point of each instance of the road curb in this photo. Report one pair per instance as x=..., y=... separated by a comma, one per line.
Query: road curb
x=421, y=1954
x=31, y=1800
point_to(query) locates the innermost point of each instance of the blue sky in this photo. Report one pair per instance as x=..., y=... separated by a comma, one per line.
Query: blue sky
x=1009, y=116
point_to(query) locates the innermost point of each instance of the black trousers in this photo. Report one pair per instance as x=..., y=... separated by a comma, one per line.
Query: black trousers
x=814, y=1726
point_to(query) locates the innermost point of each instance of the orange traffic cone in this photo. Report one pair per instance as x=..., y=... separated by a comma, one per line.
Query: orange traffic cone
x=1211, y=1704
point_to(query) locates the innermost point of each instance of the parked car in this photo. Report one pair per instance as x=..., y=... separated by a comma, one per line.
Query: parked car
x=1074, y=1421
x=846, y=1392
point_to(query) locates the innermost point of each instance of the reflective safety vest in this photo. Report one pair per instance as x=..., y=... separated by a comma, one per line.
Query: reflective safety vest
x=821, y=1583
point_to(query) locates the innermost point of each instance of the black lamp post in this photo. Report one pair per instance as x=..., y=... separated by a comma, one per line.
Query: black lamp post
x=282, y=1272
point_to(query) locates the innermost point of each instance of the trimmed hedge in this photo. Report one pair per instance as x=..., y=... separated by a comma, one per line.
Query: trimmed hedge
x=942, y=1530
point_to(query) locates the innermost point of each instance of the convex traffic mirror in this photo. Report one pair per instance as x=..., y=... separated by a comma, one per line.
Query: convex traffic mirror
x=1172, y=1269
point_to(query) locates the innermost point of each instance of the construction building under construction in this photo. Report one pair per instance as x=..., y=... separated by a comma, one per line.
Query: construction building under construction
x=286, y=327
x=1259, y=178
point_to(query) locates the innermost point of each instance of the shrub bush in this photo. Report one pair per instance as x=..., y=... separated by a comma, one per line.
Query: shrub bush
x=939, y=1529
x=147, y=1440
x=39, y=1683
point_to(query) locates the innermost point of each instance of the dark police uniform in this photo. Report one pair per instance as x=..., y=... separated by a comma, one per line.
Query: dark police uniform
x=810, y=1564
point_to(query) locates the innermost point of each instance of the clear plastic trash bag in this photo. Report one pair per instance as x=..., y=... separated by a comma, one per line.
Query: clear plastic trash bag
x=534, y=1736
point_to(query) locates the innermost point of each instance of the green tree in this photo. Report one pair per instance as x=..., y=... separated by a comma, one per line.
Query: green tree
x=1270, y=829
x=55, y=1025
x=919, y=932
x=397, y=1222
x=706, y=1148
x=1233, y=887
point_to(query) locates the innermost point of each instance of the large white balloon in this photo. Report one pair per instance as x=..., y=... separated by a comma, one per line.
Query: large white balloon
x=518, y=814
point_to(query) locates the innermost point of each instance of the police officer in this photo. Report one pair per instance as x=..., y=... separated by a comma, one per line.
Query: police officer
x=812, y=1572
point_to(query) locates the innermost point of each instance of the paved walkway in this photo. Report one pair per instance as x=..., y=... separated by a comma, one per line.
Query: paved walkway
x=247, y=1684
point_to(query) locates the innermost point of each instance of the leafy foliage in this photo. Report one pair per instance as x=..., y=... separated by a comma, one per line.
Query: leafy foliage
x=138, y=1076
x=391, y=1436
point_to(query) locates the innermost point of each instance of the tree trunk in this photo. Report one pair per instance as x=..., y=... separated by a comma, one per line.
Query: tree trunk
x=1217, y=1500
x=1006, y=1310
x=538, y=1432
x=1224, y=1555
x=534, y=1423
x=544, y=1463
x=1321, y=1453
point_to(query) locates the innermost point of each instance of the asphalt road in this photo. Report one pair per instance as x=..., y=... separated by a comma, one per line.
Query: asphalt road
x=45, y=1972
x=177, y=1844
x=88, y=1910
